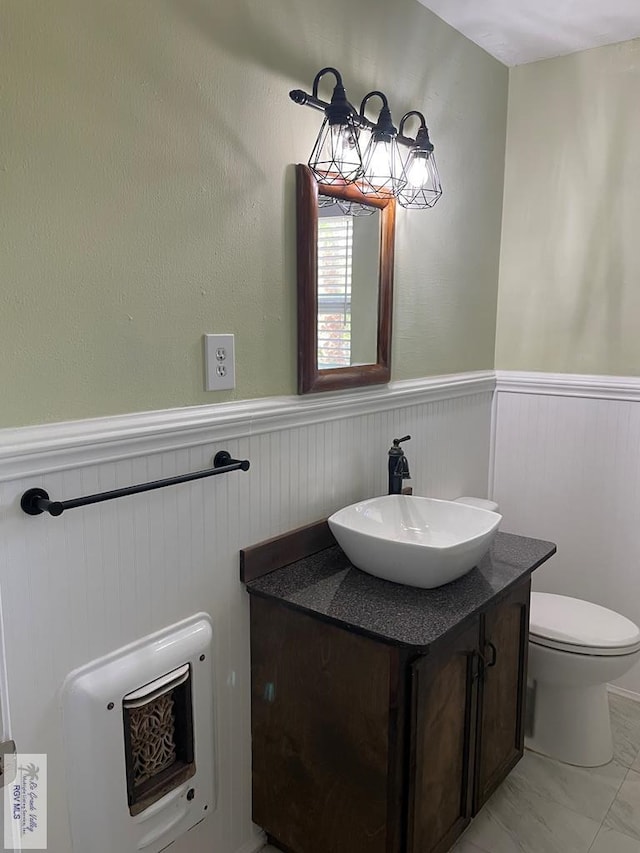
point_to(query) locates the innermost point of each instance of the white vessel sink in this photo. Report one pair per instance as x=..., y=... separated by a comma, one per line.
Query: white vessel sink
x=414, y=541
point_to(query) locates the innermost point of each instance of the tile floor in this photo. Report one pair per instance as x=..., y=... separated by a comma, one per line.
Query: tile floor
x=548, y=807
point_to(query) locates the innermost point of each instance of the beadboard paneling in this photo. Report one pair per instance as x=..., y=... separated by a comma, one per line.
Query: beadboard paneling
x=76, y=587
x=567, y=468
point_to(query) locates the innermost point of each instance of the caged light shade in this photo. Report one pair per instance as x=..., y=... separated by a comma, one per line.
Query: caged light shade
x=381, y=164
x=336, y=157
x=421, y=188
x=382, y=169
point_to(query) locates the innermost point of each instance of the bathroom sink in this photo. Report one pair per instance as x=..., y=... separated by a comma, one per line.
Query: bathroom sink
x=412, y=540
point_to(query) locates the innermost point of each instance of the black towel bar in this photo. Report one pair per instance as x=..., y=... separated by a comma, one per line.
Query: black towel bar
x=36, y=501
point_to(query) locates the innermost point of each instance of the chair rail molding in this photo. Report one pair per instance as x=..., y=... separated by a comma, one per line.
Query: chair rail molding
x=569, y=385
x=45, y=448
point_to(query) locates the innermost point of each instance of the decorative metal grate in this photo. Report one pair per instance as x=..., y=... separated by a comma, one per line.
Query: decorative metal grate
x=158, y=738
x=153, y=745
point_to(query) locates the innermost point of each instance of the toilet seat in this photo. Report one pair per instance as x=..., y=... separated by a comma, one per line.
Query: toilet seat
x=594, y=651
x=580, y=627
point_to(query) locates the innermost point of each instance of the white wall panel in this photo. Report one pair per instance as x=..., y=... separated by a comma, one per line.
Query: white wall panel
x=76, y=587
x=567, y=468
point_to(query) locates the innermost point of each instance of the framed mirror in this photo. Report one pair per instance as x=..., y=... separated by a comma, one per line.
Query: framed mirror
x=345, y=285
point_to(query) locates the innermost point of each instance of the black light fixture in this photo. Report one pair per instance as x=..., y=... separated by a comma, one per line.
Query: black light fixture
x=336, y=154
x=421, y=188
x=381, y=171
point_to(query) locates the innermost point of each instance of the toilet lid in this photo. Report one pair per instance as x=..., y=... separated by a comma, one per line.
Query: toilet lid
x=564, y=622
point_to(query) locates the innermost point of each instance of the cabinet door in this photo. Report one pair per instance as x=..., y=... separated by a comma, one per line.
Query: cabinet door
x=503, y=643
x=443, y=712
x=323, y=728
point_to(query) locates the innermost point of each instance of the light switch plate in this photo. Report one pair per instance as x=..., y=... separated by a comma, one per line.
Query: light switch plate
x=220, y=364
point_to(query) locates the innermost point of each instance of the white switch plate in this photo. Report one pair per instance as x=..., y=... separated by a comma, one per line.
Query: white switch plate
x=220, y=363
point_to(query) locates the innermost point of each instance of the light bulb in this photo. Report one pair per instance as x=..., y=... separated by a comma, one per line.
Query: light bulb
x=422, y=188
x=343, y=143
x=418, y=173
x=382, y=168
x=380, y=162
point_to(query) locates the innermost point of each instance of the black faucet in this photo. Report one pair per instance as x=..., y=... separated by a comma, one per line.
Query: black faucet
x=398, y=466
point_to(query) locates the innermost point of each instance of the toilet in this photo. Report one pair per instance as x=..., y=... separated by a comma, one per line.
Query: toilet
x=575, y=649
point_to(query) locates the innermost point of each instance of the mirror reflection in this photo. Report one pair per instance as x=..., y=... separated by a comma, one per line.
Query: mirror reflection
x=348, y=250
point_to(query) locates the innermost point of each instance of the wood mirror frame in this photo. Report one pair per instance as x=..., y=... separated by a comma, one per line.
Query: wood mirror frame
x=310, y=379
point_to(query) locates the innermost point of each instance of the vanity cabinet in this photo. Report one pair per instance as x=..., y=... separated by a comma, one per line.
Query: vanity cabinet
x=364, y=746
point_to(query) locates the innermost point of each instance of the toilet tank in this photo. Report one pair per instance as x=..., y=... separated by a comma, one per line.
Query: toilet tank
x=481, y=503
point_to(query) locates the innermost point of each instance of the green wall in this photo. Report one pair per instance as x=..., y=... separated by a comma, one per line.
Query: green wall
x=146, y=154
x=569, y=296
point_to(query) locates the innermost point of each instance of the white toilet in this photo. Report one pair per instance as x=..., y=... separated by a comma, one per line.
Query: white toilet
x=575, y=649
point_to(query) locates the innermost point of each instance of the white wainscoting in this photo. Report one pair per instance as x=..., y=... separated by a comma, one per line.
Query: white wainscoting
x=566, y=467
x=76, y=587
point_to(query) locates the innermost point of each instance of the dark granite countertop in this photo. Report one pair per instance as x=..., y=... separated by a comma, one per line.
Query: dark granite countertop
x=327, y=585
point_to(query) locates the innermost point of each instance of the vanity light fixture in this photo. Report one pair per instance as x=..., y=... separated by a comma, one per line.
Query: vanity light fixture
x=381, y=171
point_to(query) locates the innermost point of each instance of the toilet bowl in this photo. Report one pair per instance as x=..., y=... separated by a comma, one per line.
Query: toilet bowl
x=575, y=649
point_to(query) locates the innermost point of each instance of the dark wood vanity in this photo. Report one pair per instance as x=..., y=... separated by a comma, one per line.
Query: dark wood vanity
x=383, y=717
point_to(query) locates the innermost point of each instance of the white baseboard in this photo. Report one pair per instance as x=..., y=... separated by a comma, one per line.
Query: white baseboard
x=254, y=844
x=622, y=691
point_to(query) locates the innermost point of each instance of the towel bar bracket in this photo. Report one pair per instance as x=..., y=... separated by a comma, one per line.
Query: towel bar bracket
x=30, y=501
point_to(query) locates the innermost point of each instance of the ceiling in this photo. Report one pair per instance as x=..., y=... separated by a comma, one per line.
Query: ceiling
x=519, y=31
